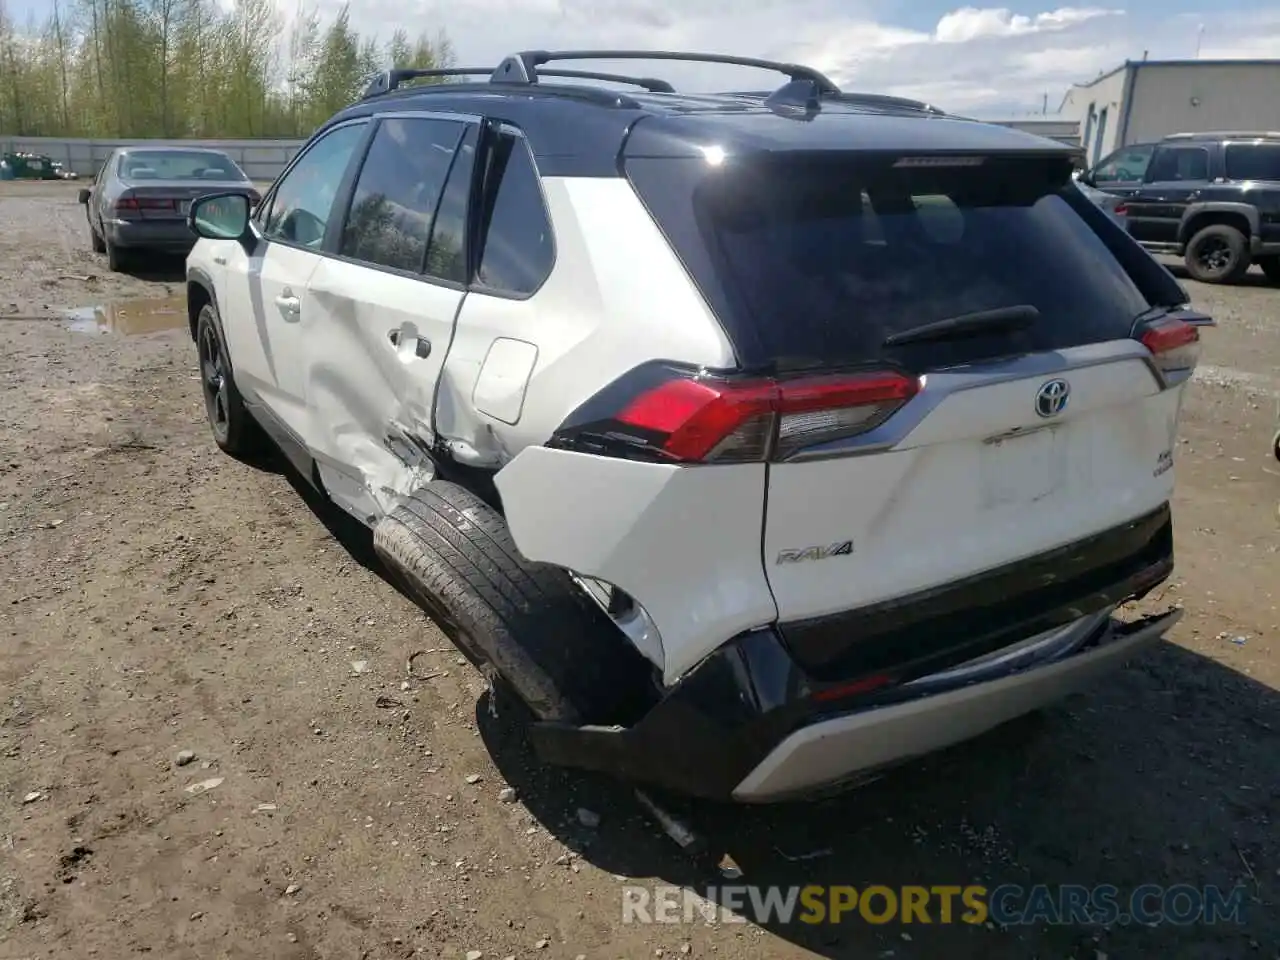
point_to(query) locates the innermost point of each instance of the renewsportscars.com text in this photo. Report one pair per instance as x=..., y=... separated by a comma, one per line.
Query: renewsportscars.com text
x=1005, y=905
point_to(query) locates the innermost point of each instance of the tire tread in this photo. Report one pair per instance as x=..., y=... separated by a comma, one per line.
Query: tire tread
x=528, y=621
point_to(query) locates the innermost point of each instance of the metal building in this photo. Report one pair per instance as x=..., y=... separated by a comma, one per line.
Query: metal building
x=1145, y=100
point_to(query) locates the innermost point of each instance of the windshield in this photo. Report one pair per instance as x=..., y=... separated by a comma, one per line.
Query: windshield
x=178, y=165
x=820, y=261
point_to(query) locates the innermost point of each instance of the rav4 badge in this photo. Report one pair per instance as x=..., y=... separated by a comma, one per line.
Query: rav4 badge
x=841, y=549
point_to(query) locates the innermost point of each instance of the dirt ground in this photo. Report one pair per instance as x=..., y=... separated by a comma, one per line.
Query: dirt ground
x=157, y=597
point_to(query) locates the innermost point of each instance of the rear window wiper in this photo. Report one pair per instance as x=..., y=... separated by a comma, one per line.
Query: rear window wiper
x=1001, y=319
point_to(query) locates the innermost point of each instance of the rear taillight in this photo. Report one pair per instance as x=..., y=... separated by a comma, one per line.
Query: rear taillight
x=691, y=419
x=131, y=204
x=1120, y=210
x=1174, y=346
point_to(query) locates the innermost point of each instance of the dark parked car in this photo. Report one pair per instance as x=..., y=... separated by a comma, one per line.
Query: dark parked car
x=1211, y=198
x=140, y=198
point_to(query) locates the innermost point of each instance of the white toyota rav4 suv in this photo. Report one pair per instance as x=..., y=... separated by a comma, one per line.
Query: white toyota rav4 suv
x=754, y=440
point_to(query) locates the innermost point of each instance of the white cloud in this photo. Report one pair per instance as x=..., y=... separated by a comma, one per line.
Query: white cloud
x=971, y=23
x=976, y=60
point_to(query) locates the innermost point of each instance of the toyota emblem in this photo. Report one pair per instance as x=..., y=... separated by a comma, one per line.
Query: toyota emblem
x=1052, y=398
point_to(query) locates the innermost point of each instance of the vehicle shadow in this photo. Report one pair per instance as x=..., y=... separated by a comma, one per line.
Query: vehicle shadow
x=1165, y=774
x=1254, y=278
x=156, y=267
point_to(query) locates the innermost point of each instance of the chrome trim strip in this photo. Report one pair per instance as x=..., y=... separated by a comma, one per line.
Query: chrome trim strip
x=940, y=385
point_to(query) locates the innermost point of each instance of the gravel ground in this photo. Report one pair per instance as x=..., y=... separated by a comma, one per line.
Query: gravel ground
x=159, y=597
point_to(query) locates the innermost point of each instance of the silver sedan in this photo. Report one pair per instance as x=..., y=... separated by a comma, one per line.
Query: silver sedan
x=140, y=197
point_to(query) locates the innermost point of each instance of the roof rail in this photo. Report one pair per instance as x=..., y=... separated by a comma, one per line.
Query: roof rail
x=1226, y=135
x=885, y=100
x=651, y=84
x=523, y=67
x=800, y=97
x=389, y=80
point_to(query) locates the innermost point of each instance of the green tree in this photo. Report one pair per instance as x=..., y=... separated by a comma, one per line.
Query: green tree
x=189, y=68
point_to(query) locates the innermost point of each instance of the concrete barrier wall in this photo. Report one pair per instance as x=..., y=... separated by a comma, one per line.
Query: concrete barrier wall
x=262, y=160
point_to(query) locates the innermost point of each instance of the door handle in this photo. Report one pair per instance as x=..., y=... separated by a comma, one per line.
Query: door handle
x=288, y=303
x=421, y=348
x=220, y=261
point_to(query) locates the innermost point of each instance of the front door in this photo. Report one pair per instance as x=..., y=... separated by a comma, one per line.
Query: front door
x=264, y=293
x=384, y=309
x=1122, y=171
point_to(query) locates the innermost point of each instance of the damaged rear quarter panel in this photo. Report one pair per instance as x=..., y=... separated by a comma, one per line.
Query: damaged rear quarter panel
x=684, y=542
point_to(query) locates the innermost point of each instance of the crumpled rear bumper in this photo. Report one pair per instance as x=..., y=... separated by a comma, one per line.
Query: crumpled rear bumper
x=743, y=726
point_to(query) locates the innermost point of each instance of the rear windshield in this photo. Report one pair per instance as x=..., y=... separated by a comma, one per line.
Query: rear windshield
x=178, y=165
x=816, y=262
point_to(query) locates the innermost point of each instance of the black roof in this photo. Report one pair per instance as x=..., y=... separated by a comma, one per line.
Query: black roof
x=581, y=130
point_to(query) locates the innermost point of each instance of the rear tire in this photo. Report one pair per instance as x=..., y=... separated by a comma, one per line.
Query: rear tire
x=526, y=622
x=1218, y=254
x=1275, y=445
x=115, y=257
x=1270, y=265
x=96, y=241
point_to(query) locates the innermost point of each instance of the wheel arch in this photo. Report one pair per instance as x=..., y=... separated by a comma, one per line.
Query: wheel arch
x=1241, y=216
x=199, y=293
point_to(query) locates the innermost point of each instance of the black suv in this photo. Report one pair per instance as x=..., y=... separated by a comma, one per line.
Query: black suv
x=1211, y=198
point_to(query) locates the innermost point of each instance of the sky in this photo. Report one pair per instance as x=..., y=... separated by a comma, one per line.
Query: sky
x=983, y=61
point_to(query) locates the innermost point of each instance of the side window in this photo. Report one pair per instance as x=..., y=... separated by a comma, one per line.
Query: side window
x=398, y=190
x=1253, y=161
x=303, y=199
x=447, y=252
x=1124, y=166
x=518, y=251
x=1179, y=163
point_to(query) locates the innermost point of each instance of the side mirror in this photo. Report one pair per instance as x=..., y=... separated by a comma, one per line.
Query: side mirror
x=220, y=216
x=83, y=195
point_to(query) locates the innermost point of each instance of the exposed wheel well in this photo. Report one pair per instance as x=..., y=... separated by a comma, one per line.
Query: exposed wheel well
x=197, y=296
x=1209, y=218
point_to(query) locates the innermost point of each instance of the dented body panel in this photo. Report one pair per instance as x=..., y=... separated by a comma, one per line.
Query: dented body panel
x=629, y=524
x=373, y=358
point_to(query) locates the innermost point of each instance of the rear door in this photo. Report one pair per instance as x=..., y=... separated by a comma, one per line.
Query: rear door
x=384, y=308
x=1258, y=163
x=1175, y=179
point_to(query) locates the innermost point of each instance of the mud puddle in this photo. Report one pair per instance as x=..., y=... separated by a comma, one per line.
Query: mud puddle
x=130, y=317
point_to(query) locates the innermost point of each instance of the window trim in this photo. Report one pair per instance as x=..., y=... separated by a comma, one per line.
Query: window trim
x=344, y=186
x=464, y=121
x=1173, y=148
x=475, y=231
x=346, y=190
x=477, y=228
